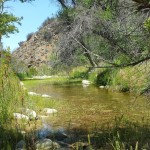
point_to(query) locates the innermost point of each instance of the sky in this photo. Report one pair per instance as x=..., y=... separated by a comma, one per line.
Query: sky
x=33, y=15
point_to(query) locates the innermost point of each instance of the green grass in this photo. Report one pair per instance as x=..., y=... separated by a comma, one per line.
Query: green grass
x=37, y=103
x=134, y=79
x=12, y=96
x=55, y=81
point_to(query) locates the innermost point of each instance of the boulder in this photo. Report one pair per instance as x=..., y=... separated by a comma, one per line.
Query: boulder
x=20, y=116
x=31, y=113
x=44, y=132
x=33, y=93
x=45, y=95
x=46, y=144
x=86, y=82
x=101, y=87
x=49, y=111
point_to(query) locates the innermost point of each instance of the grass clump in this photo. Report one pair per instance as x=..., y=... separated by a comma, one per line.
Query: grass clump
x=79, y=72
x=37, y=103
x=12, y=96
x=11, y=92
x=133, y=79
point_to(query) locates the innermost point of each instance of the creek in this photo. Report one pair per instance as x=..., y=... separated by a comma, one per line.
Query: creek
x=85, y=107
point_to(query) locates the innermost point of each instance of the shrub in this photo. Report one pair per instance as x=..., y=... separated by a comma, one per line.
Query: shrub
x=31, y=72
x=29, y=36
x=104, y=77
x=47, y=35
x=21, y=43
x=79, y=72
x=10, y=90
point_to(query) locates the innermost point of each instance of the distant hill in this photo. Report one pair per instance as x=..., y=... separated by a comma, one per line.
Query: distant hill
x=36, y=50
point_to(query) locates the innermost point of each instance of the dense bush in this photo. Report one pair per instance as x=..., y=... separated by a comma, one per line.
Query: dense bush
x=104, y=77
x=31, y=72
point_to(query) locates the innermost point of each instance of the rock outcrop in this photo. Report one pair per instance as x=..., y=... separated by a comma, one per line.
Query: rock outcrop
x=39, y=46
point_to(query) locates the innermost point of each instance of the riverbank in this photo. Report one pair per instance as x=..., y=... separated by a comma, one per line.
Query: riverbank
x=130, y=79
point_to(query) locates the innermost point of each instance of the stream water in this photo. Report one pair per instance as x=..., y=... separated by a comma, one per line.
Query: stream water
x=83, y=107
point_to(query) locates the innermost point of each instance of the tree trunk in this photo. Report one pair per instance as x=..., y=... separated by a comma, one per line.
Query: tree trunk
x=88, y=55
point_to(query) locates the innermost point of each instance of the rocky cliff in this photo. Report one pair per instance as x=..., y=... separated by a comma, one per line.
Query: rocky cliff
x=37, y=49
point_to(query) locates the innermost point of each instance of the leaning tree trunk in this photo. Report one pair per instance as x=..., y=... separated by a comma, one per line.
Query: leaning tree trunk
x=87, y=54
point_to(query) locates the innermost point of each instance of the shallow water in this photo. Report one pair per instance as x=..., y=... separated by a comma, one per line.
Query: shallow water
x=85, y=106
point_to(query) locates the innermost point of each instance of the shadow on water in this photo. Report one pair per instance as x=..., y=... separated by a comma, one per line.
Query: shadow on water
x=121, y=132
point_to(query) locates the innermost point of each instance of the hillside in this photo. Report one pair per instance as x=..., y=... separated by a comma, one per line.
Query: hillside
x=36, y=50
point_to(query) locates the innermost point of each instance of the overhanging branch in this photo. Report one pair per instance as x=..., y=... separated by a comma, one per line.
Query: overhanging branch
x=124, y=65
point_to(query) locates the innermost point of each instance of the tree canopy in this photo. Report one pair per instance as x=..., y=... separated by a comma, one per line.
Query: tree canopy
x=8, y=20
x=115, y=32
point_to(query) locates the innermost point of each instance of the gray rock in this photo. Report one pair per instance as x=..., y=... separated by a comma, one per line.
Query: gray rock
x=102, y=87
x=31, y=113
x=58, y=136
x=44, y=132
x=49, y=111
x=20, y=116
x=46, y=144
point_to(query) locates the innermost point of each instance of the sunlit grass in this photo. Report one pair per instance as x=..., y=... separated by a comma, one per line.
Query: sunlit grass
x=58, y=81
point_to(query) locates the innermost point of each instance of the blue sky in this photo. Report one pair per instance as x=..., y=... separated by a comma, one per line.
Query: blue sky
x=33, y=15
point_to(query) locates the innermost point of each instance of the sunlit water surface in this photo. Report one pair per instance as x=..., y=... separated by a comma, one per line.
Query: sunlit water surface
x=85, y=107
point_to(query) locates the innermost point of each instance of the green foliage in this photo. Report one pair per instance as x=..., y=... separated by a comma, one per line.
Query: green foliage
x=7, y=23
x=79, y=72
x=21, y=76
x=147, y=24
x=27, y=74
x=66, y=15
x=31, y=72
x=121, y=59
x=10, y=90
x=92, y=76
x=118, y=82
x=104, y=77
x=86, y=3
x=7, y=20
x=38, y=103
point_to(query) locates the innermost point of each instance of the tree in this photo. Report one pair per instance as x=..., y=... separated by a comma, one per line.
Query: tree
x=8, y=20
x=106, y=31
x=7, y=25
